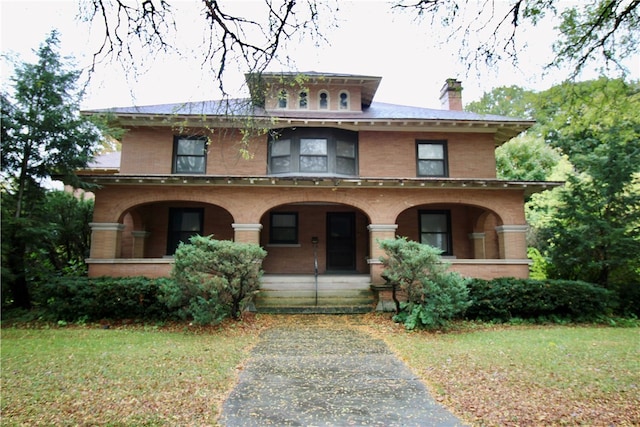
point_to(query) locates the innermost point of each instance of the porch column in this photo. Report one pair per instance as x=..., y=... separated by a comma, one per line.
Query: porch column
x=378, y=232
x=247, y=233
x=477, y=243
x=139, y=242
x=105, y=240
x=512, y=241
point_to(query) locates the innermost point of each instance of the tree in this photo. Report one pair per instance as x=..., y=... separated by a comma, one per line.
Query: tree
x=43, y=136
x=253, y=37
x=596, y=230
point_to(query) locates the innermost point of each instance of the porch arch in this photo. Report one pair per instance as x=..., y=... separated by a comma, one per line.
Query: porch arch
x=143, y=229
x=316, y=237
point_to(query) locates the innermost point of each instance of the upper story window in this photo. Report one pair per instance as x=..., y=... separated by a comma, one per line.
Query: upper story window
x=344, y=100
x=323, y=100
x=189, y=154
x=432, y=158
x=313, y=151
x=435, y=230
x=304, y=100
x=282, y=99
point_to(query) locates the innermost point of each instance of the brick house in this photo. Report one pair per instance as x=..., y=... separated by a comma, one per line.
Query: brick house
x=315, y=172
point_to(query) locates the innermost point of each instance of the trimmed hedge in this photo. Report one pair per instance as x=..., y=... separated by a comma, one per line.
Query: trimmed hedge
x=91, y=299
x=505, y=299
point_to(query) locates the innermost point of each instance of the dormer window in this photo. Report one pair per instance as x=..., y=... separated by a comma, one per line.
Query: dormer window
x=323, y=100
x=344, y=100
x=303, y=100
x=282, y=99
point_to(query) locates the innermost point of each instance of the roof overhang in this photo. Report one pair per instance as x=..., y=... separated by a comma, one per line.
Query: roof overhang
x=528, y=187
x=503, y=131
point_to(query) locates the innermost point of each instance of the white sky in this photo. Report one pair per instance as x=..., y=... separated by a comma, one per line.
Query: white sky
x=409, y=56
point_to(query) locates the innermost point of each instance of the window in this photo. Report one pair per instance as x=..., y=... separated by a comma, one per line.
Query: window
x=304, y=99
x=183, y=224
x=284, y=228
x=435, y=230
x=323, y=100
x=282, y=99
x=432, y=158
x=190, y=154
x=344, y=101
x=313, y=151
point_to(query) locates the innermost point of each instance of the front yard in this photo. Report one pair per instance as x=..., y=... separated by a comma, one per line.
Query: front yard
x=179, y=375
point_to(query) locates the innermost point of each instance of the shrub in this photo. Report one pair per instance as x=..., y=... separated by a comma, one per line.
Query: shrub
x=434, y=295
x=214, y=279
x=89, y=299
x=504, y=299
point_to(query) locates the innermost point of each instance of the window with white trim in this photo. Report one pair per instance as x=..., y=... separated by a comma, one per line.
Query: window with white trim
x=323, y=100
x=344, y=100
x=304, y=100
x=282, y=99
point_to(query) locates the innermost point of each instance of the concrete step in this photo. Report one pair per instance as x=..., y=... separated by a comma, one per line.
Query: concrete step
x=297, y=294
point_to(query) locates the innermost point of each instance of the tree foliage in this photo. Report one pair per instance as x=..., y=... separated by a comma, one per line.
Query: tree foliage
x=214, y=279
x=596, y=230
x=433, y=294
x=43, y=136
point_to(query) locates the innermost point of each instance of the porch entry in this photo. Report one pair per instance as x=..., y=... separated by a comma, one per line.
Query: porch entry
x=341, y=242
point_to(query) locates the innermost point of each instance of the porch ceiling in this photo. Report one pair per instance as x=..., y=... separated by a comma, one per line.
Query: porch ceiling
x=529, y=187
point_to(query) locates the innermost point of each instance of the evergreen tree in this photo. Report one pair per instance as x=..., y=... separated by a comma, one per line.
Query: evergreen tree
x=43, y=136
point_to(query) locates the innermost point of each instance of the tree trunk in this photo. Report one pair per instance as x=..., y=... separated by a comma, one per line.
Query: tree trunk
x=18, y=283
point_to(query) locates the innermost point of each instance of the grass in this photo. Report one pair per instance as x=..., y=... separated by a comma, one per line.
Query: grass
x=117, y=377
x=531, y=375
x=490, y=376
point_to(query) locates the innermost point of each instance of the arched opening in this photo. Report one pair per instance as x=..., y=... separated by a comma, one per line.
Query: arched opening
x=295, y=235
x=154, y=230
x=461, y=231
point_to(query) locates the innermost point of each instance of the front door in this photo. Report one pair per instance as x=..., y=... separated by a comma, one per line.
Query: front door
x=341, y=241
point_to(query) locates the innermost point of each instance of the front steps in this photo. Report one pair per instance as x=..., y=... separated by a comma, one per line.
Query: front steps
x=296, y=293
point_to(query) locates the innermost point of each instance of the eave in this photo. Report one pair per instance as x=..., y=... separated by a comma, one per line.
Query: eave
x=528, y=187
x=503, y=131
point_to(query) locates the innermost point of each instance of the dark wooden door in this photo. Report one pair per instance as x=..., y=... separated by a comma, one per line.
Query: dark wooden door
x=341, y=241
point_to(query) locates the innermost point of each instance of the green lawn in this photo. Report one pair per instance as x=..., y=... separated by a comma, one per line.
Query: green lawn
x=499, y=376
x=89, y=376
x=531, y=375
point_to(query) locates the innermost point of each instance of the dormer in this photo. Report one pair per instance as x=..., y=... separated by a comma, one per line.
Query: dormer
x=312, y=92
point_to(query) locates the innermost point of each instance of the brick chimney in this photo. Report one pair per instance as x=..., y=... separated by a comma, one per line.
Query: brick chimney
x=451, y=95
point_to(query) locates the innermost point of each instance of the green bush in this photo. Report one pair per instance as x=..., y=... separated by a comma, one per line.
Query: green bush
x=89, y=299
x=214, y=279
x=505, y=299
x=434, y=295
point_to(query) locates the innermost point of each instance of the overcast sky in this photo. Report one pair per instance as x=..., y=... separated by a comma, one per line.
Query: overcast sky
x=409, y=56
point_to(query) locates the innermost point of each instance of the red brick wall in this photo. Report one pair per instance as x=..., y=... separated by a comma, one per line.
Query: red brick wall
x=393, y=154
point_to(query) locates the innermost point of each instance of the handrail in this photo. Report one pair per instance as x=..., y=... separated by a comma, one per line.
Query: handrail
x=315, y=265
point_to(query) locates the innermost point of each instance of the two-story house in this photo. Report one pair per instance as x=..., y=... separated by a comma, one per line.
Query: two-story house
x=315, y=172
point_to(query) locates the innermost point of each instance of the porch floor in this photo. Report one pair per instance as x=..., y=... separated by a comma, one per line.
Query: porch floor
x=297, y=293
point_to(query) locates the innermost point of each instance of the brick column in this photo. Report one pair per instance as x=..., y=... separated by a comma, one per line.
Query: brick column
x=105, y=240
x=247, y=233
x=477, y=243
x=139, y=242
x=512, y=240
x=378, y=232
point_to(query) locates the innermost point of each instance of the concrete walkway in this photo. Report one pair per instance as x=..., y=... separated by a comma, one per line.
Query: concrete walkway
x=328, y=376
